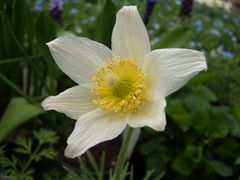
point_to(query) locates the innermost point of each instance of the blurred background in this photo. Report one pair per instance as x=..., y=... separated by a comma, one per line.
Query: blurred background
x=202, y=137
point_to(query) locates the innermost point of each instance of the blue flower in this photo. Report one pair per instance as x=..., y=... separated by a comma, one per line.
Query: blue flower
x=74, y=11
x=39, y=5
x=227, y=54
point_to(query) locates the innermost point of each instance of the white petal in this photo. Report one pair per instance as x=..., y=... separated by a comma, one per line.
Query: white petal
x=129, y=37
x=152, y=114
x=170, y=69
x=91, y=129
x=79, y=57
x=74, y=102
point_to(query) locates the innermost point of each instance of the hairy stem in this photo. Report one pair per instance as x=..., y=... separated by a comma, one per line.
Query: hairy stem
x=122, y=154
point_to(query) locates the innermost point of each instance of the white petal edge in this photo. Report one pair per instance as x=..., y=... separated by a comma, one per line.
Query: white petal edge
x=93, y=128
x=170, y=69
x=79, y=57
x=73, y=102
x=152, y=114
x=130, y=37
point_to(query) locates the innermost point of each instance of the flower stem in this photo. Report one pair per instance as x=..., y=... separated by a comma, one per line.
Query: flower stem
x=122, y=154
x=31, y=158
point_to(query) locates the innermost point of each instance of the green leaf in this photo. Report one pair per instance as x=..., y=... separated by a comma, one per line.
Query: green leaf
x=125, y=173
x=202, y=77
x=205, y=93
x=228, y=148
x=94, y=164
x=45, y=30
x=4, y=161
x=220, y=168
x=194, y=102
x=157, y=161
x=48, y=153
x=105, y=22
x=198, y=107
x=199, y=120
x=25, y=145
x=46, y=136
x=159, y=176
x=21, y=150
x=2, y=150
x=237, y=161
x=150, y=146
x=218, y=129
x=86, y=173
x=173, y=38
x=183, y=164
x=72, y=174
x=219, y=125
x=178, y=113
x=15, y=23
x=236, y=111
x=150, y=173
x=17, y=112
x=194, y=153
x=102, y=161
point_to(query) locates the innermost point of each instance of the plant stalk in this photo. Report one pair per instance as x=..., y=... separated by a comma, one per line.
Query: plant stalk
x=122, y=154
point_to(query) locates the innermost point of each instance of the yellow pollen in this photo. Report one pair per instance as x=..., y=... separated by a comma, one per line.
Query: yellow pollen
x=119, y=86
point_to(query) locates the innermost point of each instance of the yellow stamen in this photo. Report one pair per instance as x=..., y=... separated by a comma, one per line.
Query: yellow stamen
x=119, y=86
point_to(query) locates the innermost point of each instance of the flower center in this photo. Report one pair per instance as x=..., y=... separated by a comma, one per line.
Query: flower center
x=119, y=86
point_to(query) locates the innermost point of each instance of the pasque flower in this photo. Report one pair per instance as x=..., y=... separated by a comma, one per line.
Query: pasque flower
x=123, y=86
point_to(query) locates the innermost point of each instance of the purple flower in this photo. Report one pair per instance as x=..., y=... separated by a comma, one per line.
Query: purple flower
x=149, y=10
x=186, y=8
x=56, y=4
x=56, y=7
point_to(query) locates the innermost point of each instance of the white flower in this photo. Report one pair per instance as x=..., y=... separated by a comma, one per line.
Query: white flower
x=123, y=86
x=226, y=5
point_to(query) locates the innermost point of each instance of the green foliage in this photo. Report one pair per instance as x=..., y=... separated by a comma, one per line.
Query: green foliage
x=18, y=167
x=46, y=136
x=183, y=164
x=202, y=136
x=220, y=168
x=237, y=162
x=106, y=20
x=99, y=173
x=173, y=38
x=17, y=112
x=202, y=133
x=85, y=172
x=45, y=30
